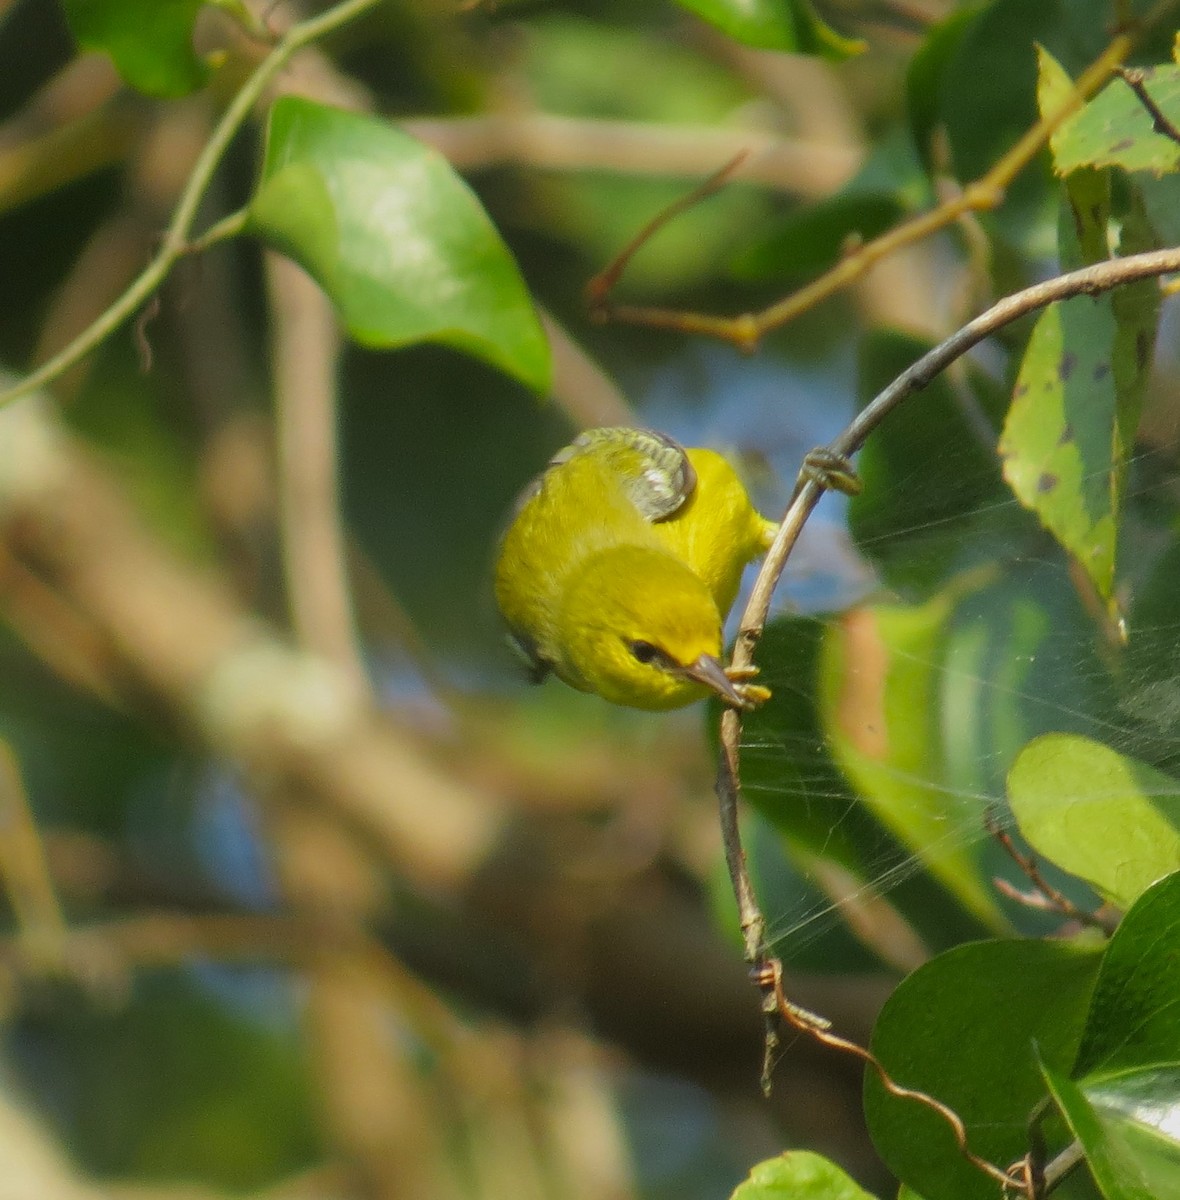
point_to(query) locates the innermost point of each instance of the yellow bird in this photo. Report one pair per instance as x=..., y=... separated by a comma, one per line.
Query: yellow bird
x=622, y=560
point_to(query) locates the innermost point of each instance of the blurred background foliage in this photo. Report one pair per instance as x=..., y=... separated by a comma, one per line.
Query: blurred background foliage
x=249, y=995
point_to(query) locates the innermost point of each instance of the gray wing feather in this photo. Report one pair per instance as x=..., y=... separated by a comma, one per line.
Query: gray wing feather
x=659, y=489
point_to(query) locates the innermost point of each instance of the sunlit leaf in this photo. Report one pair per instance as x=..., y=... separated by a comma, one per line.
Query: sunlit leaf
x=1129, y=1128
x=799, y=1175
x=1115, y=129
x=1098, y=814
x=395, y=238
x=1059, y=444
x=966, y=1028
x=151, y=41
x=776, y=25
x=1133, y=1016
x=879, y=679
x=1055, y=88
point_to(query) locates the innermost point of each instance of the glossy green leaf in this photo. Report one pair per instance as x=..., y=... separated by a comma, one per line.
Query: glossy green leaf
x=1127, y=1126
x=1098, y=814
x=799, y=1175
x=879, y=678
x=1115, y=129
x=965, y=1028
x=776, y=25
x=1134, y=1018
x=151, y=41
x=1059, y=443
x=395, y=238
x=1143, y=1108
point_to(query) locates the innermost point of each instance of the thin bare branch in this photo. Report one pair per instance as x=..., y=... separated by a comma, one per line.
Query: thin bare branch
x=305, y=347
x=1136, y=79
x=25, y=869
x=747, y=329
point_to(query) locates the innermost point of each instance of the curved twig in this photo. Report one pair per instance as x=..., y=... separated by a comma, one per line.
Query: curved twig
x=175, y=242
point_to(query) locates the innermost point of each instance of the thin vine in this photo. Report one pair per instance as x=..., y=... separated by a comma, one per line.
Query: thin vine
x=177, y=240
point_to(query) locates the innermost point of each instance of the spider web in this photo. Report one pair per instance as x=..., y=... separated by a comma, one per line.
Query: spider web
x=1024, y=651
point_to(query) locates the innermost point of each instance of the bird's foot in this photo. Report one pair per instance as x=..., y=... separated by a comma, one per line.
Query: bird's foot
x=751, y=694
x=832, y=471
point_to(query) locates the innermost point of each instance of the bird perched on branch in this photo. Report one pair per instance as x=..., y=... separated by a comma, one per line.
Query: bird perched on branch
x=622, y=560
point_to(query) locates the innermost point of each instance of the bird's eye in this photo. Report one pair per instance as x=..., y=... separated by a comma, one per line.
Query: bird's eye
x=644, y=652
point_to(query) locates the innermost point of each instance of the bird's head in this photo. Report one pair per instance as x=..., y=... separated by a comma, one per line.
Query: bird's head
x=641, y=629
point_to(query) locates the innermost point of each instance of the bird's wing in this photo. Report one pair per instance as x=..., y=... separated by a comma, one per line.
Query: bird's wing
x=525, y=650
x=654, y=472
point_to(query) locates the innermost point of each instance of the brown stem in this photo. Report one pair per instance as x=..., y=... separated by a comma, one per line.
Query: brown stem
x=986, y=193
x=769, y=977
x=1136, y=79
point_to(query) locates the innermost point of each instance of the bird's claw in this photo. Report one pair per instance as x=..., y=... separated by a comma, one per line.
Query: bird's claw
x=831, y=471
x=751, y=694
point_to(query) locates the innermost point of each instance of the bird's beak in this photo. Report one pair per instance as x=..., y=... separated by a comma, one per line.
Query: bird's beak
x=709, y=671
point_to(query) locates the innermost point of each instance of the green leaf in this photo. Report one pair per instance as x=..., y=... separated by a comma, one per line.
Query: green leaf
x=1133, y=1020
x=877, y=882
x=879, y=678
x=1161, y=199
x=1126, y=1126
x=394, y=237
x=1116, y=130
x=799, y=1175
x=1054, y=86
x=1136, y=313
x=965, y=1028
x=151, y=41
x=1107, y=818
x=927, y=73
x=925, y=511
x=1084, y=218
x=776, y=25
x=1059, y=444
x=812, y=238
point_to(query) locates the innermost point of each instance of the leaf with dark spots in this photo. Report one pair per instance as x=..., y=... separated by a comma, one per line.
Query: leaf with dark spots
x=1058, y=442
x=1116, y=130
x=1101, y=371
